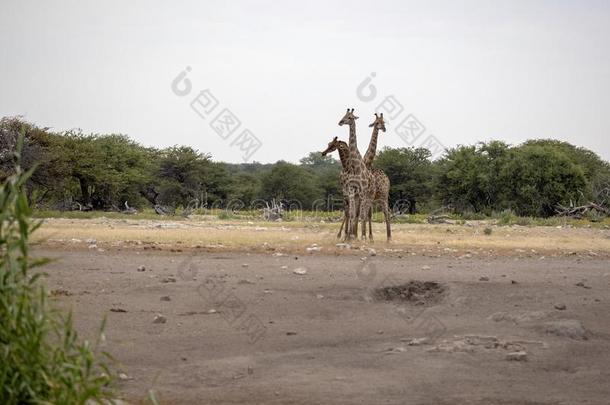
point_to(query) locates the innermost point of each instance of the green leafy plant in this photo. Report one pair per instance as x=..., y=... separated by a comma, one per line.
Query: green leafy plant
x=42, y=360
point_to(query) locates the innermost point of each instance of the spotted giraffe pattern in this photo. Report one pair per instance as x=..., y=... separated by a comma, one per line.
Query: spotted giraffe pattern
x=359, y=184
x=380, y=181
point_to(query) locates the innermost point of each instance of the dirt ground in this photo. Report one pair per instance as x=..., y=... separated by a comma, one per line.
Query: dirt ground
x=432, y=325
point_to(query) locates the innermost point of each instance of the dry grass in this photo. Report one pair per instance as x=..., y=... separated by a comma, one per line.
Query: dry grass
x=295, y=237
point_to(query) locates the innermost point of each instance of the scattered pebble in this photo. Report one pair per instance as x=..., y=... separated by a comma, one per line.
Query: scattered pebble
x=372, y=252
x=165, y=298
x=290, y=333
x=517, y=356
x=300, y=271
x=159, y=319
x=484, y=278
x=124, y=377
x=117, y=310
x=416, y=341
x=169, y=279
x=426, y=267
x=141, y=268
x=245, y=265
x=560, y=307
x=569, y=328
x=245, y=281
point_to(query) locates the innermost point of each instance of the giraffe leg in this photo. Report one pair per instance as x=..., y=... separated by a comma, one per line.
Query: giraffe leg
x=352, y=216
x=386, y=214
x=354, y=219
x=345, y=218
x=364, y=211
x=341, y=229
x=371, y=224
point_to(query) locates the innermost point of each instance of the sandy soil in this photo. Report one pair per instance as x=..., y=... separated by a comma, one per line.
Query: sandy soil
x=244, y=328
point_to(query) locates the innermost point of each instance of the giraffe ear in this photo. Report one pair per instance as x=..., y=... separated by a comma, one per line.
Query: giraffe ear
x=356, y=117
x=381, y=115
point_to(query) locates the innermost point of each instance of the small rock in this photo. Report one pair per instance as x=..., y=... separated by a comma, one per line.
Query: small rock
x=284, y=267
x=313, y=248
x=117, y=310
x=92, y=246
x=245, y=281
x=141, y=268
x=245, y=265
x=91, y=241
x=517, y=356
x=372, y=252
x=165, y=298
x=569, y=328
x=484, y=278
x=169, y=279
x=581, y=284
x=418, y=341
x=124, y=377
x=159, y=319
x=426, y=267
x=211, y=311
x=319, y=296
x=343, y=245
x=513, y=282
x=290, y=333
x=560, y=307
x=300, y=271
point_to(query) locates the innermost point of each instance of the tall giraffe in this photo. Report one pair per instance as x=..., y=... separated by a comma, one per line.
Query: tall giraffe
x=382, y=184
x=359, y=182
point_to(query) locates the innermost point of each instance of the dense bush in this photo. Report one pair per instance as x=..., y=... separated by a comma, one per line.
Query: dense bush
x=42, y=361
x=104, y=171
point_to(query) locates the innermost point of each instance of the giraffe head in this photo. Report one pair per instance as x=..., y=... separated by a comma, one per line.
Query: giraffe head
x=379, y=123
x=332, y=146
x=348, y=118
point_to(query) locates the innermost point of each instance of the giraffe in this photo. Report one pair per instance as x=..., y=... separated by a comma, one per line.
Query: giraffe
x=359, y=181
x=343, y=149
x=382, y=183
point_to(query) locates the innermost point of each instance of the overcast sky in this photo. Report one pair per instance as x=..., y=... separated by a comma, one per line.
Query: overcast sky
x=467, y=71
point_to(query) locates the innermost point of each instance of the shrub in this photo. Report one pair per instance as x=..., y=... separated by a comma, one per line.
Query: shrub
x=42, y=361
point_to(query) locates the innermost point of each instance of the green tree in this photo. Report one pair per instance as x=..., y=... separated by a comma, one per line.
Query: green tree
x=410, y=172
x=288, y=182
x=536, y=178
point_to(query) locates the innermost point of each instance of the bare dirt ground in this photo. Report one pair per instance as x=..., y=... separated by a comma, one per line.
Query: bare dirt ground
x=479, y=323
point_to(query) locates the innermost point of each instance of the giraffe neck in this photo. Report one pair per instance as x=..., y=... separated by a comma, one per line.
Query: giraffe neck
x=354, y=153
x=343, y=150
x=369, y=156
